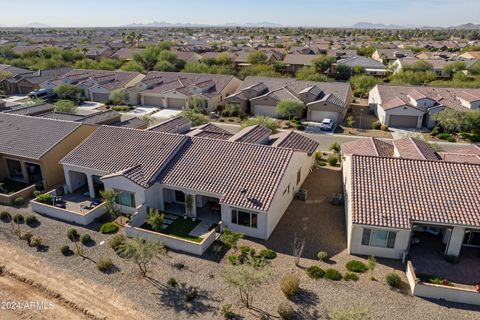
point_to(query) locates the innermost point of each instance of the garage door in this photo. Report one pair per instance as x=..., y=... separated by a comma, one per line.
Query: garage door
x=100, y=97
x=175, y=103
x=152, y=101
x=318, y=116
x=269, y=111
x=403, y=121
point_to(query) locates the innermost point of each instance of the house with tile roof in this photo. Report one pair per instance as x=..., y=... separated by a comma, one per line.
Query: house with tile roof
x=97, y=84
x=260, y=96
x=243, y=180
x=370, y=66
x=31, y=147
x=415, y=106
x=179, y=90
x=400, y=193
x=24, y=83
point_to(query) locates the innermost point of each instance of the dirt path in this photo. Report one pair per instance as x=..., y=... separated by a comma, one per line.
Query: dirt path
x=24, y=278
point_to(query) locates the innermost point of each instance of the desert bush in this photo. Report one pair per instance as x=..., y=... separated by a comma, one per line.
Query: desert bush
x=85, y=238
x=36, y=241
x=350, y=276
x=18, y=218
x=72, y=234
x=332, y=274
x=30, y=219
x=45, y=198
x=19, y=201
x=315, y=272
x=246, y=250
x=393, y=280
x=27, y=236
x=384, y=127
x=322, y=255
x=116, y=241
x=376, y=125
x=104, y=263
x=36, y=193
x=227, y=312
x=356, y=266
x=290, y=284
x=172, y=282
x=5, y=216
x=234, y=260
x=285, y=311
x=444, y=136
x=191, y=295
x=65, y=249
x=179, y=266
x=108, y=228
x=332, y=160
x=268, y=254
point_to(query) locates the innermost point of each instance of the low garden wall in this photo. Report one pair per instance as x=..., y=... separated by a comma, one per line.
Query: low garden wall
x=435, y=291
x=7, y=199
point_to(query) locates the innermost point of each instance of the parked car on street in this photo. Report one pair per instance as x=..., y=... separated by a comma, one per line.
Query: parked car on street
x=327, y=124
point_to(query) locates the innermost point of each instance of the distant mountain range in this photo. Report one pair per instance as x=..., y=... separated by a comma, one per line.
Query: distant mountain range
x=191, y=25
x=35, y=25
x=369, y=25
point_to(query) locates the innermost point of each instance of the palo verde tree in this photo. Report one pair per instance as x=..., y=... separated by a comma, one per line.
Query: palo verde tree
x=288, y=109
x=142, y=253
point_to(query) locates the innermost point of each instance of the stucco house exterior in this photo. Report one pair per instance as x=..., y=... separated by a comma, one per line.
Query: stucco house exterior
x=178, y=90
x=25, y=83
x=97, y=84
x=31, y=148
x=397, y=192
x=246, y=182
x=415, y=106
x=260, y=96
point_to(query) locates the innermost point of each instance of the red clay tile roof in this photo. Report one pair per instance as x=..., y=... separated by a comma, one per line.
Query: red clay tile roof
x=253, y=134
x=393, y=192
x=210, y=130
x=172, y=125
x=414, y=149
x=294, y=141
x=458, y=157
x=368, y=147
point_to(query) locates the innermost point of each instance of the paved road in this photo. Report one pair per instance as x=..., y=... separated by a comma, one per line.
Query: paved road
x=326, y=140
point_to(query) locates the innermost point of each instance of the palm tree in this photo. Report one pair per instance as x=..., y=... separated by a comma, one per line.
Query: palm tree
x=266, y=37
x=139, y=38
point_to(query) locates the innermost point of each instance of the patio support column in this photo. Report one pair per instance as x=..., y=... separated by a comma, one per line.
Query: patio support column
x=91, y=188
x=456, y=240
x=68, y=181
x=24, y=171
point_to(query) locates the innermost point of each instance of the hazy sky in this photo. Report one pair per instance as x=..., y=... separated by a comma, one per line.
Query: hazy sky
x=287, y=12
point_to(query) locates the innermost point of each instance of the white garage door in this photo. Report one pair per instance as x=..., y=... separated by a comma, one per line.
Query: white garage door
x=175, y=103
x=100, y=97
x=318, y=116
x=269, y=111
x=402, y=121
x=152, y=101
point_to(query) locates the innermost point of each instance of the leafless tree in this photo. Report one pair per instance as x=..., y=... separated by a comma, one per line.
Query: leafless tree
x=298, y=245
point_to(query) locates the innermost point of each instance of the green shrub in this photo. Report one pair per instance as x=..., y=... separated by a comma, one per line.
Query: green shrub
x=350, y=276
x=172, y=282
x=36, y=193
x=376, y=125
x=27, y=236
x=85, y=238
x=179, y=266
x=65, y=249
x=300, y=127
x=318, y=155
x=436, y=131
x=36, y=242
x=451, y=139
x=104, y=263
x=285, y=311
x=234, y=260
x=268, y=254
x=45, y=198
x=332, y=274
x=108, y=228
x=393, y=280
x=116, y=241
x=19, y=201
x=5, y=216
x=72, y=234
x=18, y=218
x=290, y=284
x=444, y=136
x=30, y=219
x=227, y=312
x=384, y=127
x=332, y=160
x=322, y=256
x=315, y=272
x=356, y=266
x=246, y=250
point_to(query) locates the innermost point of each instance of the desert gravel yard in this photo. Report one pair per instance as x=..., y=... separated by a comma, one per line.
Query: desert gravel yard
x=321, y=224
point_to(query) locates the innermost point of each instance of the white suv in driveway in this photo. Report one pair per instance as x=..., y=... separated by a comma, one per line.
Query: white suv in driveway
x=327, y=124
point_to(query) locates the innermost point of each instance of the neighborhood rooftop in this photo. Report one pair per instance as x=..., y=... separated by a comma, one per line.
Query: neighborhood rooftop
x=31, y=137
x=394, y=192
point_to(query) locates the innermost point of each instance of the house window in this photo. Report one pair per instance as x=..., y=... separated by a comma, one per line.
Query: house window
x=179, y=196
x=125, y=198
x=378, y=238
x=299, y=175
x=246, y=219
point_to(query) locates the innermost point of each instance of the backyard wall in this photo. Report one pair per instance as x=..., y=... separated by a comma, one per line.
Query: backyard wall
x=8, y=199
